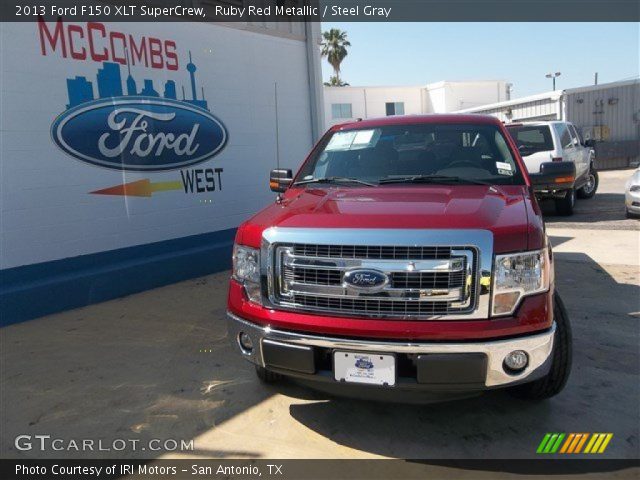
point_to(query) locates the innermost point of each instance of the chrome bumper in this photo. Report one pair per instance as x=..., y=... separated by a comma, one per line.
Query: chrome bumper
x=538, y=346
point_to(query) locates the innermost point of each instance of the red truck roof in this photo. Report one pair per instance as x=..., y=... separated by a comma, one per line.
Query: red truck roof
x=413, y=119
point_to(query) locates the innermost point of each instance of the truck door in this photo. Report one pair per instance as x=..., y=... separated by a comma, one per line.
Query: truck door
x=569, y=149
x=582, y=153
x=585, y=152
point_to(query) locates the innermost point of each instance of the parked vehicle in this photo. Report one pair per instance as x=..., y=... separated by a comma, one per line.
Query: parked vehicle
x=543, y=142
x=408, y=252
x=632, y=195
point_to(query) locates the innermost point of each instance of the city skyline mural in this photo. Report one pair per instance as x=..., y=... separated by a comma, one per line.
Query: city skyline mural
x=109, y=85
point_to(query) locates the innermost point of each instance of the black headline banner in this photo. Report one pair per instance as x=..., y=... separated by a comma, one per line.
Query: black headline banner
x=323, y=10
x=312, y=469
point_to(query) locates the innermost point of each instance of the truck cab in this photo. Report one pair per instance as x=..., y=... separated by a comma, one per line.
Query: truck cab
x=407, y=253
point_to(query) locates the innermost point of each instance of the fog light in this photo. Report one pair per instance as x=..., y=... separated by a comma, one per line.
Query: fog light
x=516, y=361
x=246, y=344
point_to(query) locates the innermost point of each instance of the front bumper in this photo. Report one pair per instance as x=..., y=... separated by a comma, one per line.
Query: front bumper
x=441, y=366
x=632, y=202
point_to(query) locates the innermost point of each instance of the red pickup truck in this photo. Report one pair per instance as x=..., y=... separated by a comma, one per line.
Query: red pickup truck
x=408, y=252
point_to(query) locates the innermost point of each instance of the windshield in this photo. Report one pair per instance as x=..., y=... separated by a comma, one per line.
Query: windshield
x=442, y=154
x=531, y=138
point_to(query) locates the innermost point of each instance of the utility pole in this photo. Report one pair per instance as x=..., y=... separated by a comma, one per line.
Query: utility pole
x=553, y=76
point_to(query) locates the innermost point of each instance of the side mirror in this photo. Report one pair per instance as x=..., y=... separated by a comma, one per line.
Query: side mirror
x=279, y=180
x=591, y=143
x=555, y=175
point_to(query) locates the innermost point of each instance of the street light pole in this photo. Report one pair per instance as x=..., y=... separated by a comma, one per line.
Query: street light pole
x=553, y=76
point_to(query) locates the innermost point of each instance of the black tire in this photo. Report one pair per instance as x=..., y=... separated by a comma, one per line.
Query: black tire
x=589, y=189
x=552, y=383
x=267, y=376
x=564, y=206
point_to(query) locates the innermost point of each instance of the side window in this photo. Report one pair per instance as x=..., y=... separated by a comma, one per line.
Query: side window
x=394, y=108
x=563, y=133
x=575, y=134
x=341, y=110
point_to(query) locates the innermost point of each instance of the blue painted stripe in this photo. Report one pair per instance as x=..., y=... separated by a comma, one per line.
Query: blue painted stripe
x=35, y=290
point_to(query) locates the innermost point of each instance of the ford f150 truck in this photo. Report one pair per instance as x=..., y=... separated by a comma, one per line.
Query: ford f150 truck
x=408, y=252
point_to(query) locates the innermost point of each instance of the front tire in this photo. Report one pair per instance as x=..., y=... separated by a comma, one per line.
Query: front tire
x=552, y=383
x=588, y=190
x=564, y=206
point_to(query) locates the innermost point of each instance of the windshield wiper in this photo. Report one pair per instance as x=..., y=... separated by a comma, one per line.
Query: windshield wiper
x=432, y=179
x=335, y=180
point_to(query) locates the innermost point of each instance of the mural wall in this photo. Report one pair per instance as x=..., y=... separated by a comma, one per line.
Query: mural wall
x=115, y=135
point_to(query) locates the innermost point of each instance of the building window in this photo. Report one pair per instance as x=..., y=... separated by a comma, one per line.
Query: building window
x=341, y=110
x=394, y=108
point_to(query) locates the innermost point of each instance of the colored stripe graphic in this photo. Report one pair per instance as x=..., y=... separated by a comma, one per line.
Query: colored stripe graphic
x=140, y=188
x=598, y=443
x=565, y=447
x=550, y=443
x=543, y=443
x=573, y=443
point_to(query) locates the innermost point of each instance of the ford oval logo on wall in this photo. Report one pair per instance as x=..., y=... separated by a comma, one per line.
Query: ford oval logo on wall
x=365, y=280
x=138, y=133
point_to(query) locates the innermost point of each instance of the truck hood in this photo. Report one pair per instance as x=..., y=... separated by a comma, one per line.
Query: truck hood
x=507, y=211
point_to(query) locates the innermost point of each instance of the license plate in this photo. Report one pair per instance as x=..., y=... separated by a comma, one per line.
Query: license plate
x=358, y=367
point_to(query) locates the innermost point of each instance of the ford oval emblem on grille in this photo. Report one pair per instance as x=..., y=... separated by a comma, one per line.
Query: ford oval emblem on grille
x=366, y=281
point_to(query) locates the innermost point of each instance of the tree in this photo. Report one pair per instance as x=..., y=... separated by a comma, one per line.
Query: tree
x=334, y=47
x=335, y=82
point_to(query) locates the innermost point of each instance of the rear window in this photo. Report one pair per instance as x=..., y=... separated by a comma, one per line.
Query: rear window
x=531, y=138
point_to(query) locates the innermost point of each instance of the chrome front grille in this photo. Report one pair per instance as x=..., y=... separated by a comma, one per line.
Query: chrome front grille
x=422, y=281
x=427, y=274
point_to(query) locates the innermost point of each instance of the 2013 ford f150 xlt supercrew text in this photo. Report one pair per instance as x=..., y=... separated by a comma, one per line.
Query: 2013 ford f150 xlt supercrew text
x=407, y=253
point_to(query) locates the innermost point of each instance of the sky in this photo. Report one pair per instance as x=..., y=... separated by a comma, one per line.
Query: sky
x=520, y=53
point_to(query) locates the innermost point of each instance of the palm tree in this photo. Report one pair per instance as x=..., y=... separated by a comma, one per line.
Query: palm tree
x=334, y=47
x=335, y=82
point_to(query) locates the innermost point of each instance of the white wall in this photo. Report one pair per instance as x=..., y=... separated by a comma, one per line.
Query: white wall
x=48, y=212
x=451, y=96
x=367, y=102
x=440, y=97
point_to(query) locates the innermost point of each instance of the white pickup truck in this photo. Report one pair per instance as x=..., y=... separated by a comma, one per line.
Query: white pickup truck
x=543, y=142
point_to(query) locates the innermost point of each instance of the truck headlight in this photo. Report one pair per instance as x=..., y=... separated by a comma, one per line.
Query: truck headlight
x=246, y=270
x=517, y=276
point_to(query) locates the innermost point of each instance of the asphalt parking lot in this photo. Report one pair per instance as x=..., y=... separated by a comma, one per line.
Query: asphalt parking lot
x=158, y=365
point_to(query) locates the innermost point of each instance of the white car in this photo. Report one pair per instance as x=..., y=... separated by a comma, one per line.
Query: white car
x=543, y=142
x=632, y=195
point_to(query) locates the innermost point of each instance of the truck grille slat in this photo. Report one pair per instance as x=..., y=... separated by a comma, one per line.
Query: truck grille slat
x=371, y=252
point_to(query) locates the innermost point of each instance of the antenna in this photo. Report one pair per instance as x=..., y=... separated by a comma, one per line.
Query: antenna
x=275, y=94
x=275, y=97
x=202, y=92
x=183, y=97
